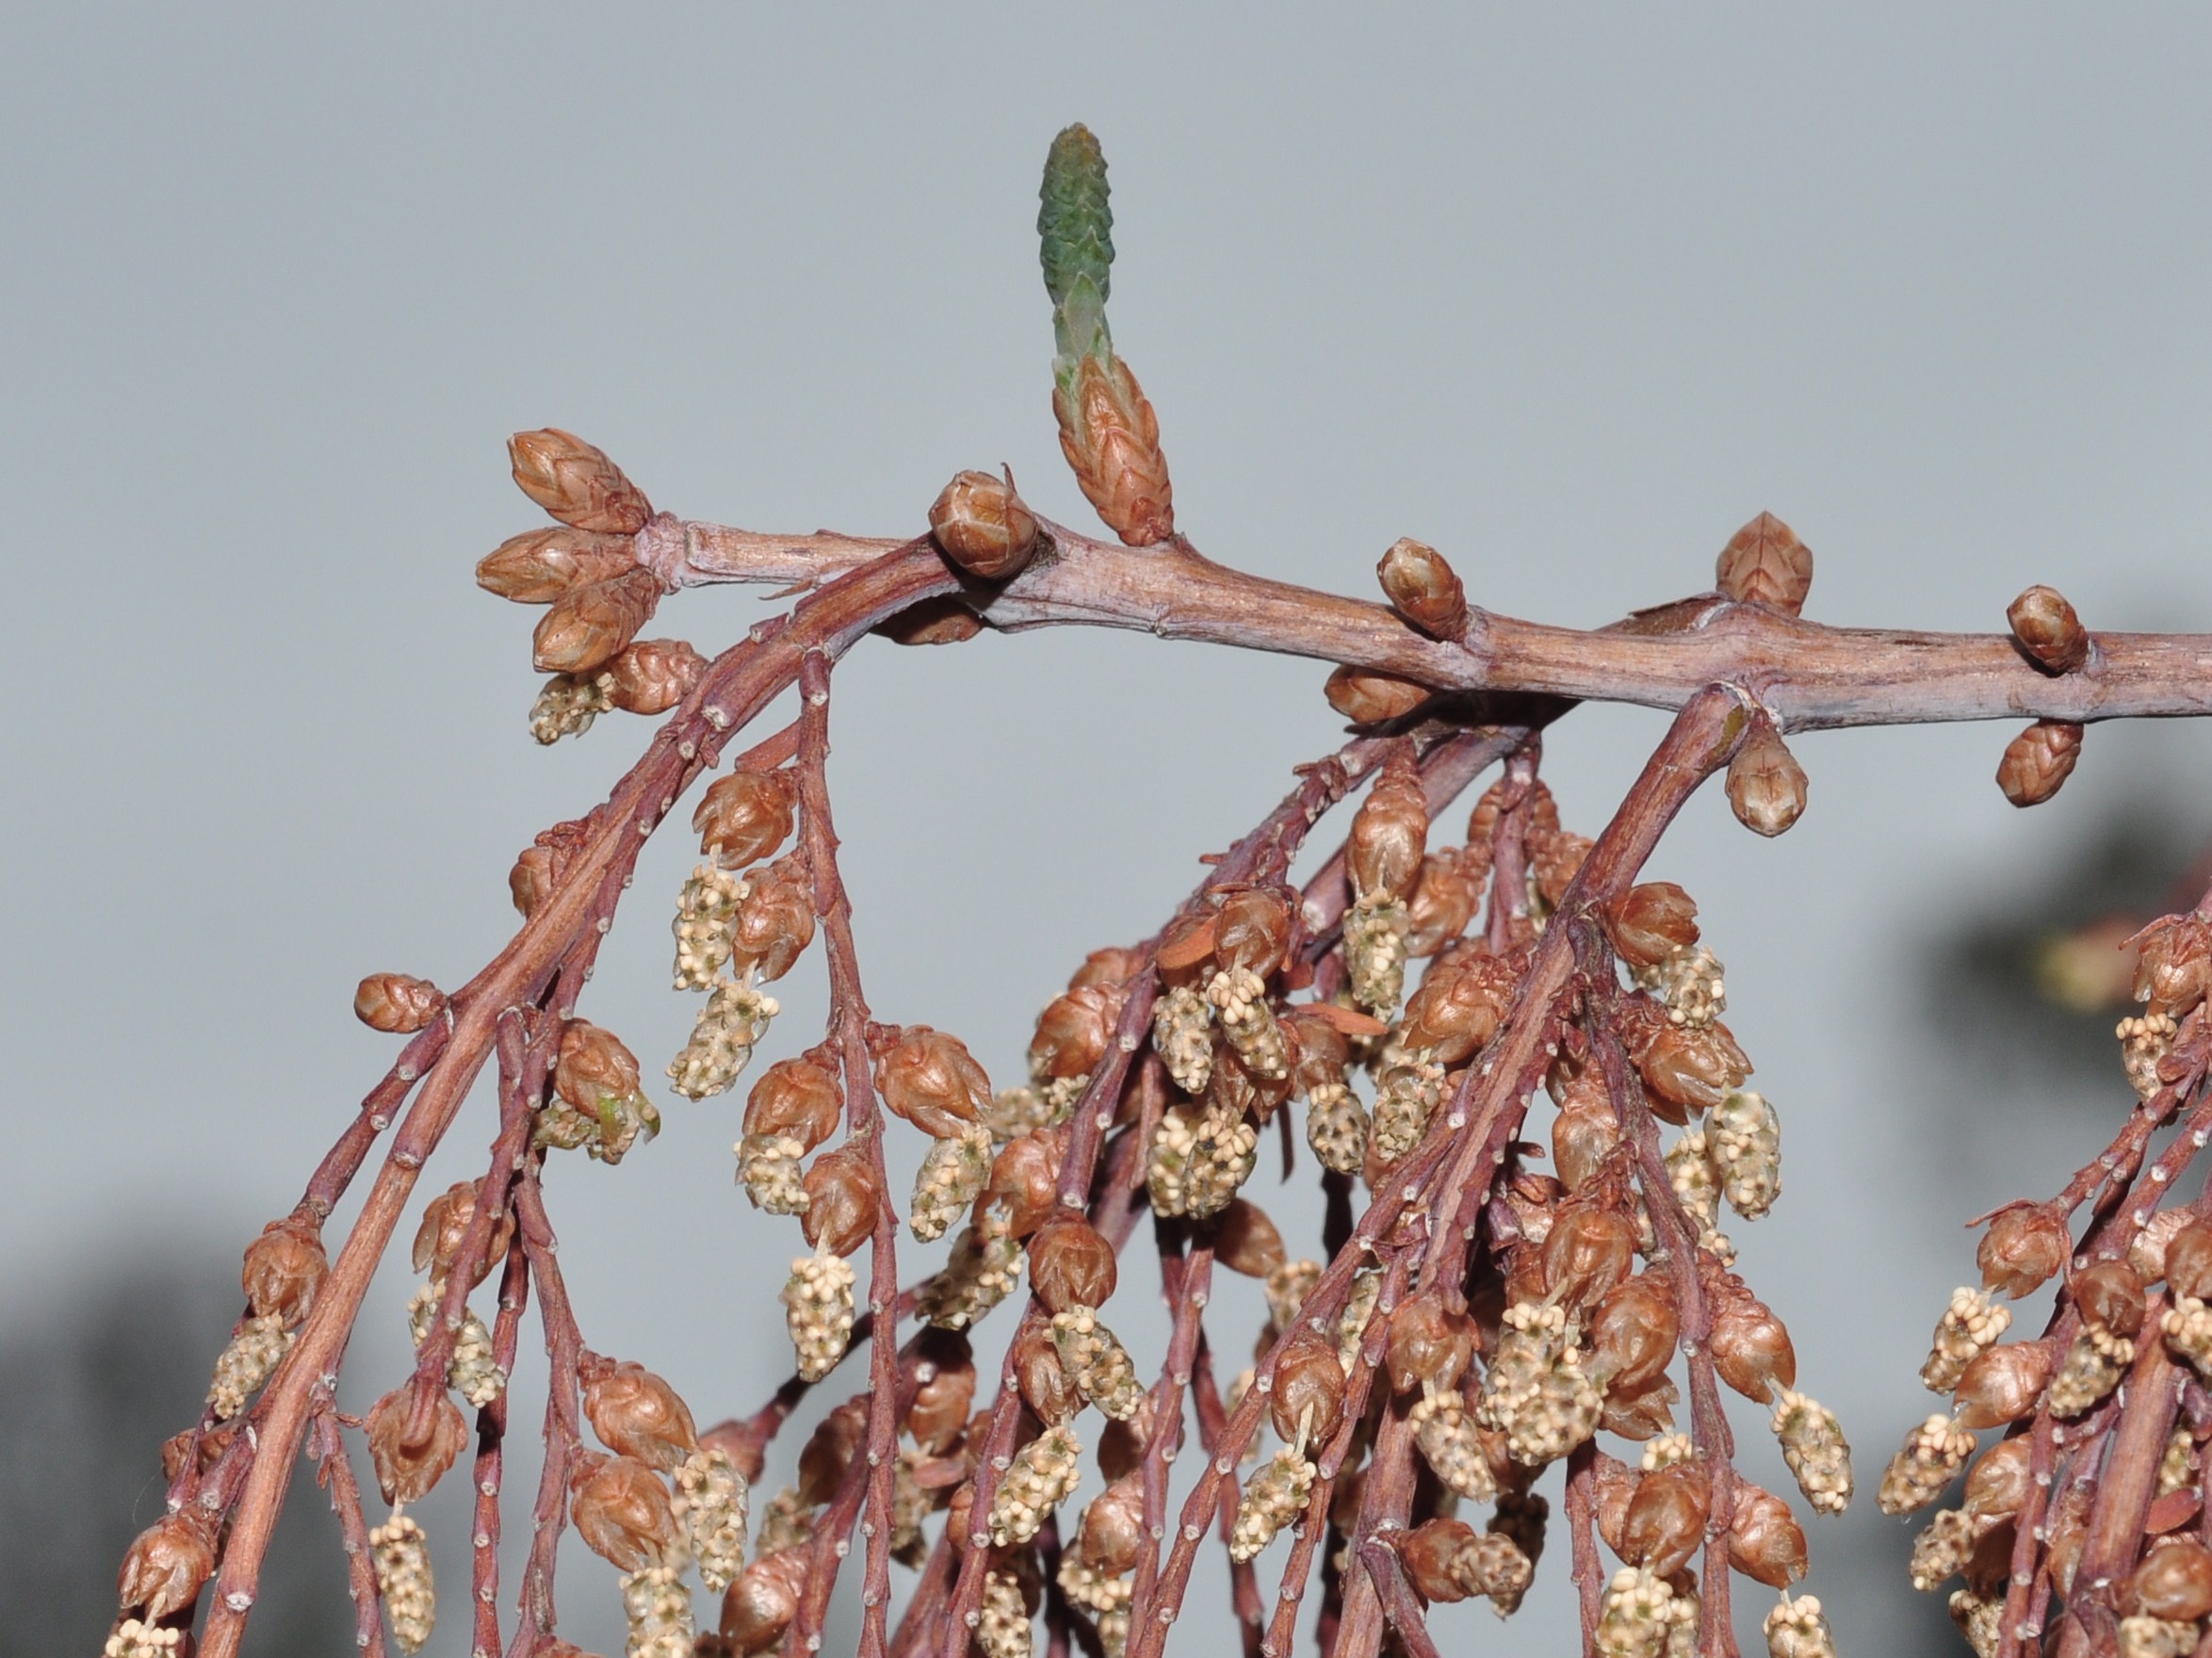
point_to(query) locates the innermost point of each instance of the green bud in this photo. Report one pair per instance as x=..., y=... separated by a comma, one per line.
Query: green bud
x=1074, y=229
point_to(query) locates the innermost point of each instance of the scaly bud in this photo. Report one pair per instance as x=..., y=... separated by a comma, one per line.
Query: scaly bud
x=2046, y=628
x=577, y=482
x=930, y=1078
x=587, y=626
x=1071, y=1264
x=652, y=675
x=2003, y=1385
x=407, y=1468
x=637, y=1414
x=843, y=1200
x=746, y=817
x=445, y=1224
x=1309, y=1393
x=1389, y=832
x=539, y=565
x=760, y=1606
x=396, y=1004
x=1764, y=1541
x=166, y=1564
x=2175, y=1582
x=1765, y=784
x=1649, y=922
x=1765, y=564
x=285, y=1268
x=1422, y=588
x=2039, y=762
x=2023, y=1248
x=1366, y=697
x=621, y=1510
x=982, y=526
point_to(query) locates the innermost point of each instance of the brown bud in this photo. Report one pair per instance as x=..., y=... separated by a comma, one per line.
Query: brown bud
x=621, y=1510
x=2175, y=1582
x=982, y=526
x=1641, y=1413
x=761, y=1605
x=577, y=482
x=775, y=922
x=284, y=1269
x=1752, y=1348
x=1245, y=1240
x=1649, y=922
x=2003, y=1384
x=931, y=1079
x=2111, y=1297
x=395, y=1003
x=445, y=1226
x=1366, y=698
x=1582, y=1134
x=1071, y=1265
x=1460, y=1006
x=1112, y=439
x=593, y=1065
x=844, y=1199
x=746, y=817
x=1666, y=1519
x=1309, y=1387
x=1555, y=860
x=1430, y=1551
x=797, y=1097
x=1765, y=564
x=2048, y=630
x=945, y=1394
x=1390, y=830
x=1112, y=1532
x=531, y=882
x=1691, y=1068
x=1998, y=1486
x=1428, y=1344
x=586, y=627
x=1254, y=930
x=654, y=674
x=1024, y=1181
x=1121, y=1444
x=2188, y=1260
x=1103, y=968
x=2039, y=762
x=1322, y=1050
x=637, y=1414
x=211, y=1445
x=1041, y=1377
x=1586, y=1254
x=1764, y=1541
x=829, y=1451
x=1765, y=784
x=1424, y=589
x=1445, y=898
x=2173, y=963
x=945, y=620
x=2023, y=1248
x=1072, y=1033
x=166, y=1564
x=405, y=1468
x=1633, y=1333
x=539, y=565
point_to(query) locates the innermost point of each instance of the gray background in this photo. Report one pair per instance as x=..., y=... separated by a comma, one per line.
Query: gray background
x=1569, y=292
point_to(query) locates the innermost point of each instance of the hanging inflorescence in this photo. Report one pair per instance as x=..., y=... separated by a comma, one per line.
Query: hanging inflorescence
x=1501, y=1052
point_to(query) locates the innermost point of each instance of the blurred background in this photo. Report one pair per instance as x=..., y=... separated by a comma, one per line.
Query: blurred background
x=1571, y=293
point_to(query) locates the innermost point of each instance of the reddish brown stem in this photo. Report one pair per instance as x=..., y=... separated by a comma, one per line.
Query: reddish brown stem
x=334, y=1473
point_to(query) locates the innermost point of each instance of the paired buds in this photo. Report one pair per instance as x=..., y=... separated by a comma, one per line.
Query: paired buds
x=2048, y=632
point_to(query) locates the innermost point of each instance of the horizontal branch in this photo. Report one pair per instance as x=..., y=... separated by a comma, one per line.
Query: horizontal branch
x=1808, y=675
